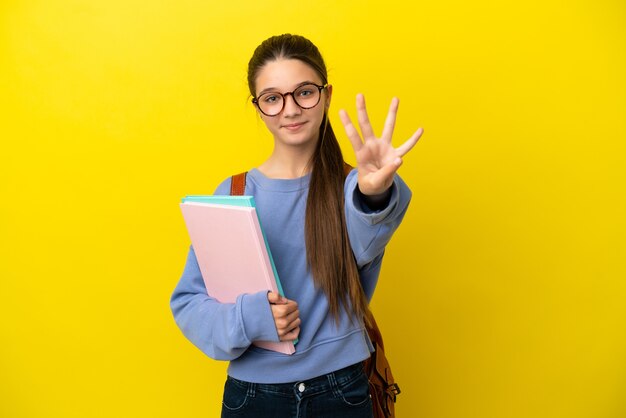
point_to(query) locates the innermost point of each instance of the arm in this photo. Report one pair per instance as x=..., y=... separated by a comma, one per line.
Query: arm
x=376, y=198
x=371, y=229
x=375, y=202
x=222, y=331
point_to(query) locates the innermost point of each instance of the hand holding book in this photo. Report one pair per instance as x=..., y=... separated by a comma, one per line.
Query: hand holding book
x=286, y=316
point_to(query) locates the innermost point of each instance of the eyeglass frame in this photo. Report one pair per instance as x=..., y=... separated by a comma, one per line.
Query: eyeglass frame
x=255, y=100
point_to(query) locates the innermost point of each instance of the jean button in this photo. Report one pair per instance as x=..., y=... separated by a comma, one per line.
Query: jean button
x=301, y=387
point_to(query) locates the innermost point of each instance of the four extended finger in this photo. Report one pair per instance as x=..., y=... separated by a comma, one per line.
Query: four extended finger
x=409, y=143
x=364, y=121
x=390, y=122
x=351, y=131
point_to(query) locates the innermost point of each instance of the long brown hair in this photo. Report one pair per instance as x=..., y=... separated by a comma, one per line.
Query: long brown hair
x=328, y=251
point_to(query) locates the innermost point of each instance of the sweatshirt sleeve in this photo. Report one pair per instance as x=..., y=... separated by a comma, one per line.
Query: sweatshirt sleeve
x=370, y=230
x=223, y=331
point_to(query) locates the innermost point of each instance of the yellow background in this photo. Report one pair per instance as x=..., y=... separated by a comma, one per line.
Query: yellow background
x=503, y=292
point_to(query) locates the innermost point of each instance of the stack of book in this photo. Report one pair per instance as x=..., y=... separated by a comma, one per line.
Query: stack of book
x=232, y=250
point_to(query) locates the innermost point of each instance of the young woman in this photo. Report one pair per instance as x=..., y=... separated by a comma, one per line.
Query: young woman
x=327, y=233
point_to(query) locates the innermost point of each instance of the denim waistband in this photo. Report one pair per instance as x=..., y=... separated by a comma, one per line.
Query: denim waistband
x=312, y=386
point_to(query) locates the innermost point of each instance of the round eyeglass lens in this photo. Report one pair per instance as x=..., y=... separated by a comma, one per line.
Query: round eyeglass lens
x=305, y=96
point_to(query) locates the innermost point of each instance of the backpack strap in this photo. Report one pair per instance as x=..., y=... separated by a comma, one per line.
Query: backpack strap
x=238, y=184
x=346, y=169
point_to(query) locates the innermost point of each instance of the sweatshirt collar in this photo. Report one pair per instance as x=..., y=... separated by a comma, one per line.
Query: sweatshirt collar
x=279, y=185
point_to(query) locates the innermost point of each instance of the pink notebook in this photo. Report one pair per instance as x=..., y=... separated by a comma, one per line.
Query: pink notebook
x=231, y=253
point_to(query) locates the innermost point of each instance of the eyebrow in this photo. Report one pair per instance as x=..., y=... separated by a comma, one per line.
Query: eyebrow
x=269, y=89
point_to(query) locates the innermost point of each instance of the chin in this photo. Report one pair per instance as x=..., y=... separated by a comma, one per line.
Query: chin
x=301, y=138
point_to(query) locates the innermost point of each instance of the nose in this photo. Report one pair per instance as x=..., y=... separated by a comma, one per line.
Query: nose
x=291, y=108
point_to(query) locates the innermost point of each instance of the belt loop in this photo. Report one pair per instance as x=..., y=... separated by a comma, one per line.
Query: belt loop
x=333, y=384
x=251, y=389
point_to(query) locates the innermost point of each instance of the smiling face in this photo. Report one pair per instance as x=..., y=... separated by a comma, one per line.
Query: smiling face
x=293, y=126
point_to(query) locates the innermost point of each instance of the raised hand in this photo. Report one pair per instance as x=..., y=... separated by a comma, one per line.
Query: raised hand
x=377, y=160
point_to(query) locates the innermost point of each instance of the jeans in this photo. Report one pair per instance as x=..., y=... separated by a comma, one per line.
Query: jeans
x=343, y=393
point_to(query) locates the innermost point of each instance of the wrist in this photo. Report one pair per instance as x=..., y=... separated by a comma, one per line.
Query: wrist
x=375, y=200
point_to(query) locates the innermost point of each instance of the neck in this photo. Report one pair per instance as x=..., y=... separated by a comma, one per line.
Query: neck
x=288, y=162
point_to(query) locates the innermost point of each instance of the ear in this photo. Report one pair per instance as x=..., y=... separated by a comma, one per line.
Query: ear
x=329, y=93
x=258, y=112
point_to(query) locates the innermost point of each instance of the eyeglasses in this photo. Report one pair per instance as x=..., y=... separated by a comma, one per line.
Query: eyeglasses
x=307, y=96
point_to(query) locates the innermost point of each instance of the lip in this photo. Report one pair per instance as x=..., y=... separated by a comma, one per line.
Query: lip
x=293, y=126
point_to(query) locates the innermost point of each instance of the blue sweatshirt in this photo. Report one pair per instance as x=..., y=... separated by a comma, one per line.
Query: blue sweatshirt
x=225, y=331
